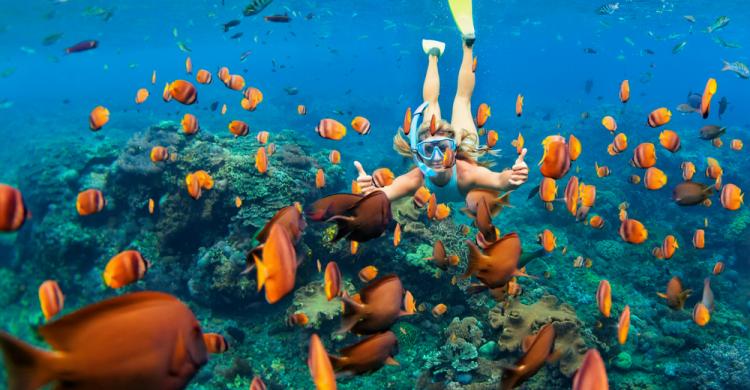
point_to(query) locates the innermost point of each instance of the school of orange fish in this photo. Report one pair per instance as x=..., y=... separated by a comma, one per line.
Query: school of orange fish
x=493, y=258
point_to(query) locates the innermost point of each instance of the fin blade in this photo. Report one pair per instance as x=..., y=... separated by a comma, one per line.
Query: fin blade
x=27, y=367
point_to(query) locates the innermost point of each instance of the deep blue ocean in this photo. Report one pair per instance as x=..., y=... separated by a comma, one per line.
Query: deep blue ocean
x=343, y=59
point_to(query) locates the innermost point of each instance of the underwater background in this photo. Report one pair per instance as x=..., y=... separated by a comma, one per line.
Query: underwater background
x=343, y=59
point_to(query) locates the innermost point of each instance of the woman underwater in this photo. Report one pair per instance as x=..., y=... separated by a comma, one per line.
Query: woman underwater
x=449, y=177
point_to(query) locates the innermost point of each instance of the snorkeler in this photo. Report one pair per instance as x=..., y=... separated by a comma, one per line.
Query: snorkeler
x=449, y=177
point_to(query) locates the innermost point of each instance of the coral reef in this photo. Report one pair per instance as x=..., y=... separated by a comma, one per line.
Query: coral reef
x=311, y=300
x=518, y=320
x=724, y=364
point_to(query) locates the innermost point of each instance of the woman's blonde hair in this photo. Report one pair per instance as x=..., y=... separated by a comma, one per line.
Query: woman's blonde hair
x=468, y=141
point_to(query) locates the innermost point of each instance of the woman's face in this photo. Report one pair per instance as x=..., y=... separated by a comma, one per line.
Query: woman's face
x=432, y=150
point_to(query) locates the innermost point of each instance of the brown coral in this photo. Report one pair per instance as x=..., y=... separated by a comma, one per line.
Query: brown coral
x=517, y=320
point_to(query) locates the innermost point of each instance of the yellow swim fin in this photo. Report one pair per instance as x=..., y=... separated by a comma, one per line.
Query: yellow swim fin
x=463, y=15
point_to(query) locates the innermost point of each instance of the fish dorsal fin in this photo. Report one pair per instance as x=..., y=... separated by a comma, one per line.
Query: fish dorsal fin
x=527, y=342
x=67, y=331
x=391, y=361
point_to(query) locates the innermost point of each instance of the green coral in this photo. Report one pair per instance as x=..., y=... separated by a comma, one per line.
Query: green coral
x=311, y=300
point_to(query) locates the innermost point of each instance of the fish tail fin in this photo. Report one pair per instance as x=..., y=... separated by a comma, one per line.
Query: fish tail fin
x=336, y=361
x=262, y=272
x=533, y=192
x=352, y=313
x=28, y=367
x=475, y=256
x=726, y=65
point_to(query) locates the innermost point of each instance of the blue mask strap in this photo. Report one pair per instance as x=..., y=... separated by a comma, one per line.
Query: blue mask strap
x=418, y=113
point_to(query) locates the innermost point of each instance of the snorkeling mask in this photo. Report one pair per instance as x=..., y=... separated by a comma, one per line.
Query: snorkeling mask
x=426, y=150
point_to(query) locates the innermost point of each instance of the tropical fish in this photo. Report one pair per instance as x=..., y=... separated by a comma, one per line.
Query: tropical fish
x=301, y=110
x=203, y=76
x=358, y=218
x=320, y=178
x=189, y=124
x=494, y=201
x=361, y=125
x=689, y=193
x=318, y=361
x=732, y=197
x=277, y=264
x=659, y=117
x=383, y=177
x=670, y=140
x=367, y=355
x=604, y=298
x=548, y=240
x=718, y=268
x=13, y=211
x=675, y=295
x=278, y=18
x=623, y=325
x=592, y=374
x=331, y=129
x=378, y=309
x=555, y=161
x=596, y=222
x=299, y=319
x=439, y=310
x=82, y=46
x=332, y=280
x=632, y=231
x=183, y=91
x=492, y=138
x=688, y=170
x=519, y=105
x=234, y=82
x=538, y=351
x=334, y=157
x=257, y=384
x=644, y=155
x=654, y=178
x=679, y=47
x=215, y=343
x=624, y=91
x=498, y=263
x=609, y=123
x=422, y=196
x=407, y=121
x=141, y=95
x=518, y=143
x=230, y=24
x=51, y=299
x=238, y=128
x=440, y=258
x=736, y=67
x=708, y=94
x=368, y=273
x=262, y=137
x=130, y=360
x=710, y=132
x=483, y=113
x=601, y=171
x=574, y=147
x=125, y=268
x=90, y=202
x=736, y=144
x=718, y=24
x=98, y=117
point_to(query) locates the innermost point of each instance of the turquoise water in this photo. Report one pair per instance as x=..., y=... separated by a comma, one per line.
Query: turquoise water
x=342, y=59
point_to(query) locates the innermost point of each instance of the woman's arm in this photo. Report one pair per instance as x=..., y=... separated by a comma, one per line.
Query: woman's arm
x=402, y=186
x=507, y=180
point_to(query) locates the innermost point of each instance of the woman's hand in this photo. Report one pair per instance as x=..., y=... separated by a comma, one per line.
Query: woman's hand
x=519, y=172
x=364, y=180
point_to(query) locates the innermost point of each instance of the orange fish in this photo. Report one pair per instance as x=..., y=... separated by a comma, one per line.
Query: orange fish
x=483, y=113
x=397, y=235
x=254, y=95
x=188, y=65
x=623, y=325
x=620, y=142
x=356, y=189
x=701, y=314
x=223, y=109
x=699, y=239
x=353, y=247
x=257, y=384
x=675, y=295
x=717, y=142
x=234, y=82
x=421, y=196
x=261, y=161
x=644, y=155
x=193, y=186
x=277, y=265
x=141, y=95
x=361, y=125
x=736, y=144
x=320, y=366
x=688, y=170
x=592, y=375
x=159, y=154
x=90, y=201
x=604, y=297
x=519, y=105
x=331, y=129
x=262, y=137
x=492, y=138
x=609, y=123
x=98, y=118
x=659, y=117
x=51, y=299
x=714, y=169
x=271, y=149
x=669, y=140
x=383, y=177
x=151, y=205
x=238, y=128
x=635, y=179
x=320, y=178
x=624, y=91
x=555, y=161
x=299, y=319
x=183, y=91
x=596, y=222
x=237, y=202
x=204, y=179
x=442, y=211
x=407, y=121
x=153, y=77
x=633, y=231
x=125, y=268
x=301, y=109
x=572, y=193
x=166, y=95
x=189, y=124
x=732, y=197
x=669, y=246
x=203, y=77
x=518, y=143
x=332, y=280
x=410, y=305
x=588, y=194
x=334, y=157
x=654, y=178
x=474, y=65
x=433, y=124
x=431, y=207
x=449, y=158
x=574, y=147
x=601, y=171
x=368, y=273
x=439, y=310
x=215, y=343
x=223, y=74
x=718, y=268
x=548, y=240
x=708, y=94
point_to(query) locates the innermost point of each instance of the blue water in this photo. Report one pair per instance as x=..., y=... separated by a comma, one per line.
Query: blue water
x=364, y=58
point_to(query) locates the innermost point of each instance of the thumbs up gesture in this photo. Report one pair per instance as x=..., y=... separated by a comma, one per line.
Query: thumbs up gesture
x=519, y=171
x=363, y=179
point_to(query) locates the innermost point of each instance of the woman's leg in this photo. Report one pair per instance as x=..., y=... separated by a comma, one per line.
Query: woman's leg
x=462, y=116
x=431, y=88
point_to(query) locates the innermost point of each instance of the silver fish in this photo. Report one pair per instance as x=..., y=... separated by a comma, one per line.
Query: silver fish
x=679, y=47
x=608, y=9
x=737, y=68
x=255, y=7
x=718, y=24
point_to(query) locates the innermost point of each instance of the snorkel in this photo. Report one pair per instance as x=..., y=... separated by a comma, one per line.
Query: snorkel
x=418, y=113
